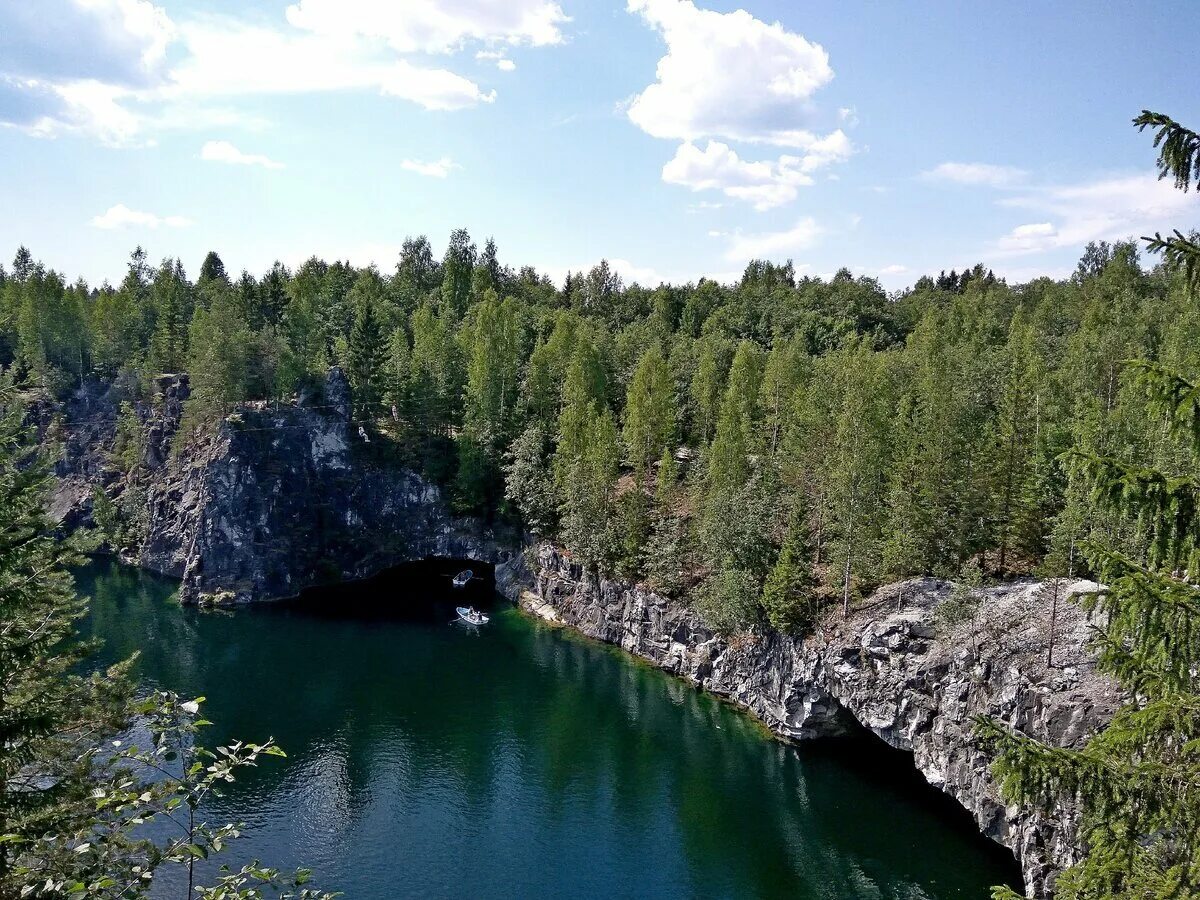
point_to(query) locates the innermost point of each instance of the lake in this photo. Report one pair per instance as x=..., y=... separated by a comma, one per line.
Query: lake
x=429, y=759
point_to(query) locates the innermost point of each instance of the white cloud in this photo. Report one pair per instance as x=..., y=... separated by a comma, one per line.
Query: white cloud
x=433, y=26
x=976, y=174
x=119, y=42
x=1108, y=209
x=775, y=244
x=229, y=58
x=120, y=69
x=728, y=75
x=766, y=184
x=499, y=57
x=438, y=168
x=894, y=269
x=223, y=151
x=121, y=216
x=631, y=274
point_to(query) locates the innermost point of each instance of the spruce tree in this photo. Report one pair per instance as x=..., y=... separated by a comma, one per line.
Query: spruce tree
x=48, y=711
x=365, y=359
x=1137, y=782
x=789, y=596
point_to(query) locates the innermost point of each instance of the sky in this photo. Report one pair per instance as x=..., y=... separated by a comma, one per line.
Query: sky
x=676, y=138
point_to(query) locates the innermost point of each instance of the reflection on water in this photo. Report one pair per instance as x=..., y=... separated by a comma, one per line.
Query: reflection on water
x=432, y=760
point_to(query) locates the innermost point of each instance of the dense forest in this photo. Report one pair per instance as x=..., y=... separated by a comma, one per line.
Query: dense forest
x=770, y=445
x=762, y=449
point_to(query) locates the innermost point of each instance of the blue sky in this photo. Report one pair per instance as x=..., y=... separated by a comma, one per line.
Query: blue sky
x=676, y=138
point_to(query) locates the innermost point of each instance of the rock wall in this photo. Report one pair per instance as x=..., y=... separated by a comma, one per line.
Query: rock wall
x=279, y=499
x=275, y=500
x=915, y=684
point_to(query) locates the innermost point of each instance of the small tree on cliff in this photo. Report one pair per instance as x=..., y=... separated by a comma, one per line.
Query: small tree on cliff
x=1137, y=782
x=789, y=596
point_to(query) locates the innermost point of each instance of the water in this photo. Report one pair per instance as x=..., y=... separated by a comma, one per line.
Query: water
x=433, y=760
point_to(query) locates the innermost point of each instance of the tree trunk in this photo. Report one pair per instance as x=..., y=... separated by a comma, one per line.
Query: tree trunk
x=846, y=572
x=1053, y=618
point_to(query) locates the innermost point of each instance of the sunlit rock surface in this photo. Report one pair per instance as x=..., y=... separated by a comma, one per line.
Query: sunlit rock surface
x=890, y=668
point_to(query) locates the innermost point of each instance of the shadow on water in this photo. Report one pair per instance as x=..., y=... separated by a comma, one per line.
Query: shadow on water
x=514, y=760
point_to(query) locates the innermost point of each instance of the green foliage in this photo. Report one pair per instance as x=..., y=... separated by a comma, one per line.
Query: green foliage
x=728, y=600
x=366, y=352
x=789, y=597
x=588, y=490
x=963, y=603
x=1135, y=783
x=649, y=411
x=74, y=805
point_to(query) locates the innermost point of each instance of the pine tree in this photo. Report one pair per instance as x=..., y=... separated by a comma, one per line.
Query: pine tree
x=457, y=268
x=365, y=359
x=666, y=550
x=1137, y=782
x=789, y=596
x=170, y=295
x=47, y=710
x=860, y=466
x=649, y=411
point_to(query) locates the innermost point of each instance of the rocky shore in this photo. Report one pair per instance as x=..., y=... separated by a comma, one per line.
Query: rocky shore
x=278, y=499
x=892, y=668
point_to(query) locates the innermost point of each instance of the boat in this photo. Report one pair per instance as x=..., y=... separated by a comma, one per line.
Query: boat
x=461, y=579
x=471, y=616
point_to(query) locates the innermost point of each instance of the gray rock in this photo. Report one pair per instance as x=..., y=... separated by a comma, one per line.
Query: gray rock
x=890, y=668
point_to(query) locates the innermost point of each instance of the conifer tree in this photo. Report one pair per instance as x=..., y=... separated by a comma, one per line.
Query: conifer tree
x=365, y=355
x=47, y=709
x=666, y=550
x=457, y=269
x=1137, y=782
x=172, y=312
x=789, y=596
x=649, y=411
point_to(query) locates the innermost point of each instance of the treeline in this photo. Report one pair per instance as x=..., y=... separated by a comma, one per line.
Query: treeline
x=770, y=445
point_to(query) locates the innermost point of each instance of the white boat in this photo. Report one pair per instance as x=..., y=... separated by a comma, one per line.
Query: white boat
x=471, y=616
x=461, y=579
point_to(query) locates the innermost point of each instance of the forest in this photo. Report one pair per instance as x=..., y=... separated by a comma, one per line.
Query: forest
x=762, y=451
x=763, y=448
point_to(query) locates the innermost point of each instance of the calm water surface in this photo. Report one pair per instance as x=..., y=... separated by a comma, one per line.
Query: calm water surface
x=432, y=760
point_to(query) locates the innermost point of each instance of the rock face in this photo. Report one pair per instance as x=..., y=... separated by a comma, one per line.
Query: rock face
x=276, y=500
x=279, y=499
x=892, y=668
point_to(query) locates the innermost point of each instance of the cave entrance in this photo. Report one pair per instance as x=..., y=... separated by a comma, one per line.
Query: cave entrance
x=422, y=590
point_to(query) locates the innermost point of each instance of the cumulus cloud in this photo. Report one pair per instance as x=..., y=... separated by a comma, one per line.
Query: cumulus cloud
x=765, y=184
x=228, y=58
x=433, y=26
x=894, y=269
x=976, y=174
x=223, y=151
x=117, y=69
x=438, y=168
x=728, y=75
x=121, y=216
x=1107, y=209
x=118, y=42
x=774, y=244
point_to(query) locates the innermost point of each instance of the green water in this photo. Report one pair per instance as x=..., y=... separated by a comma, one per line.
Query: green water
x=432, y=760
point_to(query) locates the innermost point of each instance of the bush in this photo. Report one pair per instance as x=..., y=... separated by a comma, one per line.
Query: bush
x=728, y=601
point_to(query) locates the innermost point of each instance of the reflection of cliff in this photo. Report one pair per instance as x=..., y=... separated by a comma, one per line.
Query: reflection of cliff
x=890, y=669
x=568, y=767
